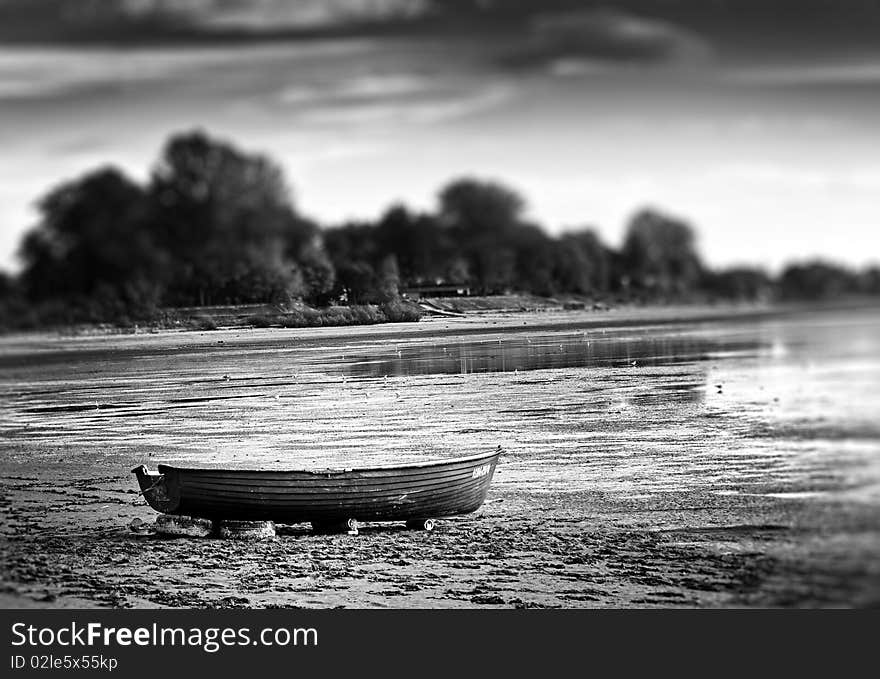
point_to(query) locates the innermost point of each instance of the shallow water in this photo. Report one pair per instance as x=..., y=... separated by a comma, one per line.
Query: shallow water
x=788, y=404
x=746, y=451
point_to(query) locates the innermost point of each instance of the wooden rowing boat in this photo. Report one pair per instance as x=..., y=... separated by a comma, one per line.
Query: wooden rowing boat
x=417, y=492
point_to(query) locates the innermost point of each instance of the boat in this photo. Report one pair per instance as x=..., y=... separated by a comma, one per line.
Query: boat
x=416, y=492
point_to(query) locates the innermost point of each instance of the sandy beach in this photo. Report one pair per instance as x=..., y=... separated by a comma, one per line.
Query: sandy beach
x=694, y=458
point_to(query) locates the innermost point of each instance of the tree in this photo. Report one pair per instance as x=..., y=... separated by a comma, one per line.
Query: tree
x=8, y=285
x=660, y=255
x=388, y=280
x=582, y=263
x=423, y=248
x=92, y=242
x=482, y=217
x=816, y=280
x=357, y=281
x=351, y=242
x=304, y=244
x=869, y=281
x=738, y=283
x=223, y=215
x=535, y=260
x=482, y=206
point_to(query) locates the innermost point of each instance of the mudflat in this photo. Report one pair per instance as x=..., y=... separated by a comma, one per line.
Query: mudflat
x=655, y=457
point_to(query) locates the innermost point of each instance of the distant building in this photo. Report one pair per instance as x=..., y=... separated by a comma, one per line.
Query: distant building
x=420, y=291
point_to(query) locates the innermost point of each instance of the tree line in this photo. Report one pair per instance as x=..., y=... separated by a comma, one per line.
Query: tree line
x=215, y=225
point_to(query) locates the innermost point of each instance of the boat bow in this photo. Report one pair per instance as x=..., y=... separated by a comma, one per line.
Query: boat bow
x=156, y=488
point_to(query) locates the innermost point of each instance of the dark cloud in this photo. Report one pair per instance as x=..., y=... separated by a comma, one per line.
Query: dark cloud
x=45, y=21
x=540, y=30
x=162, y=21
x=589, y=35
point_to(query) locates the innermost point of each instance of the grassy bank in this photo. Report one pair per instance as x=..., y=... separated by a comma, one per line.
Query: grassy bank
x=358, y=314
x=502, y=309
x=69, y=321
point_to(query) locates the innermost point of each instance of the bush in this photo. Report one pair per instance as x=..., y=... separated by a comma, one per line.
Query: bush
x=332, y=317
x=260, y=321
x=363, y=314
x=398, y=311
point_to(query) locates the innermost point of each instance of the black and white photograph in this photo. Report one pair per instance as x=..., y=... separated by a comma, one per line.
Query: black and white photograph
x=439, y=304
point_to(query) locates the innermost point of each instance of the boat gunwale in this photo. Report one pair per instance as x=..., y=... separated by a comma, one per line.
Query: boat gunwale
x=318, y=472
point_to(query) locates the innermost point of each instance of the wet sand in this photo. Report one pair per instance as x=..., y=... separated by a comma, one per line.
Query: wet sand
x=655, y=458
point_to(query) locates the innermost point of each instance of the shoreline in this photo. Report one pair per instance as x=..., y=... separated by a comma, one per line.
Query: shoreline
x=473, y=323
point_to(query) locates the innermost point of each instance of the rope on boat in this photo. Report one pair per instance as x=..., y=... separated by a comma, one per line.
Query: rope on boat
x=155, y=483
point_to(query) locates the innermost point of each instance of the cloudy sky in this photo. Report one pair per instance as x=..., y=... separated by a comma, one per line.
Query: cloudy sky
x=755, y=120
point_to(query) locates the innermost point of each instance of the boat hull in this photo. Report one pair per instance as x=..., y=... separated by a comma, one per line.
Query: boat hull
x=403, y=492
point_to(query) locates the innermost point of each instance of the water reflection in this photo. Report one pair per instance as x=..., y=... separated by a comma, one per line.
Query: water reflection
x=543, y=352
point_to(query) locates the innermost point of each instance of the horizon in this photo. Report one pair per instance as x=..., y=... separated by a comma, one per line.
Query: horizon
x=760, y=133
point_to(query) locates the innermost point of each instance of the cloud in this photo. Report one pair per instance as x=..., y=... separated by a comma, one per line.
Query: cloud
x=145, y=21
x=572, y=41
x=815, y=74
x=798, y=178
x=41, y=73
x=433, y=108
x=272, y=14
x=370, y=86
x=384, y=97
x=45, y=21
